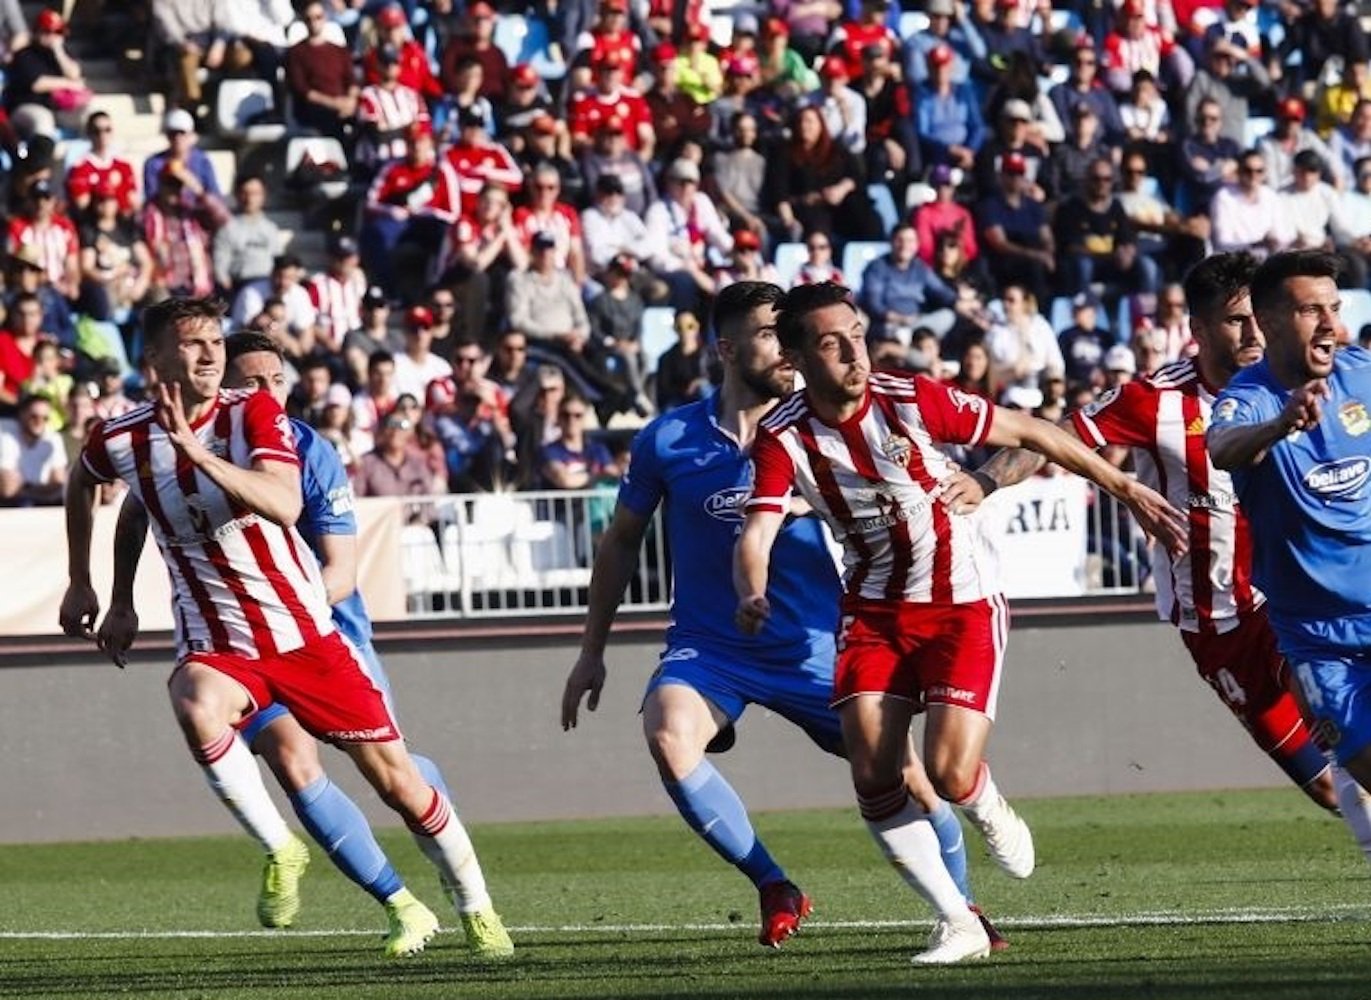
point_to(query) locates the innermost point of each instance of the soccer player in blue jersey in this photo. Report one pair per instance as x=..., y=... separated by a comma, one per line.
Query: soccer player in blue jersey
x=694, y=459
x=1295, y=431
x=329, y=526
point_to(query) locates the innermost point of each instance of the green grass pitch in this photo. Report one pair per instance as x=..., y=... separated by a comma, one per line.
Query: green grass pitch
x=1233, y=895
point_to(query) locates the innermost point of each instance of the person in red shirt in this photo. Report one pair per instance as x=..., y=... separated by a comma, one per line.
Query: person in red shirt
x=546, y=212
x=17, y=343
x=852, y=37
x=41, y=226
x=415, y=71
x=101, y=167
x=408, y=209
x=611, y=98
x=477, y=41
x=480, y=160
x=611, y=33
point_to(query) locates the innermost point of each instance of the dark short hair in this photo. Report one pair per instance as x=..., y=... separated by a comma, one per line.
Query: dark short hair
x=739, y=299
x=1215, y=281
x=162, y=319
x=314, y=361
x=29, y=398
x=250, y=342
x=379, y=358
x=1268, y=282
x=802, y=300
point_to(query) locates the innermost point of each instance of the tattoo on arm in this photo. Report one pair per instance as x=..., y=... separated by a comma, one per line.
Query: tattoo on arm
x=1009, y=466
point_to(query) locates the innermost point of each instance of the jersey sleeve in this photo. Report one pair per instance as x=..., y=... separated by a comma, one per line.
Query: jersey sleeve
x=644, y=484
x=953, y=416
x=1237, y=407
x=95, y=455
x=1121, y=416
x=324, y=485
x=774, y=474
x=266, y=428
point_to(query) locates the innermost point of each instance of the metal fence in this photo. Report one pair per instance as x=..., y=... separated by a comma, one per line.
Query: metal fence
x=530, y=554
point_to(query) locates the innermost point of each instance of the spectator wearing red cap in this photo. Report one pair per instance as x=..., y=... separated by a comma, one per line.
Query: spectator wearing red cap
x=386, y=110
x=525, y=100
x=818, y=185
x=416, y=366
x=946, y=27
x=674, y=115
x=100, y=166
x=476, y=40
x=745, y=263
x=842, y=108
x=612, y=98
x=851, y=38
x=320, y=76
x=116, y=267
x=947, y=115
x=408, y=209
x=1289, y=138
x=42, y=79
x=393, y=33
x=478, y=159
x=698, y=72
x=546, y=212
x=610, y=35
x=742, y=93
x=1015, y=231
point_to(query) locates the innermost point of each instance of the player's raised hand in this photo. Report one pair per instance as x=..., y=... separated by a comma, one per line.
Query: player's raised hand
x=752, y=614
x=117, y=632
x=171, y=416
x=1158, y=518
x=80, y=607
x=1304, y=408
x=587, y=676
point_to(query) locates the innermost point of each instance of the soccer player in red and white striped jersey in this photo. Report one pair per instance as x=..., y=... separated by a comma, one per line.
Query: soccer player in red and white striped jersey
x=219, y=475
x=1207, y=592
x=924, y=622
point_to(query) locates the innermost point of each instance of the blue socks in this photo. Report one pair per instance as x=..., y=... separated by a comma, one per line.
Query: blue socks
x=339, y=827
x=712, y=808
x=430, y=773
x=953, y=845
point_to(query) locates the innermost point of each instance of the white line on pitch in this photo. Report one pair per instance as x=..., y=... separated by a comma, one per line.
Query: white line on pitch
x=1311, y=914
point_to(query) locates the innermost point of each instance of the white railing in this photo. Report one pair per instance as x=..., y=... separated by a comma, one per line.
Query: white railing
x=530, y=554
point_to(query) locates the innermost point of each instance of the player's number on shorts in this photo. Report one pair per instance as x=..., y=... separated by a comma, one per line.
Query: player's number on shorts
x=1304, y=673
x=1229, y=687
x=843, y=627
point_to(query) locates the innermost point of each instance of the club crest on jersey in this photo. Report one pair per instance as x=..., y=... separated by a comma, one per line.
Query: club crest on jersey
x=897, y=448
x=1354, y=418
x=1226, y=409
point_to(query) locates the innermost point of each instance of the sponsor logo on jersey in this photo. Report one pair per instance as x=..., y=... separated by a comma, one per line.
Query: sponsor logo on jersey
x=1354, y=418
x=1226, y=409
x=378, y=735
x=727, y=505
x=1339, y=480
x=340, y=501
x=897, y=448
x=1195, y=428
x=1211, y=500
x=1107, y=397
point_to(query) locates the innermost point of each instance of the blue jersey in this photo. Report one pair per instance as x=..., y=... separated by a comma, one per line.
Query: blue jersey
x=1309, y=504
x=328, y=510
x=684, y=458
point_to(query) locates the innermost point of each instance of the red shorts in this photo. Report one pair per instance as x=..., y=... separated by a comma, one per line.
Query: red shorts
x=323, y=683
x=1250, y=675
x=948, y=654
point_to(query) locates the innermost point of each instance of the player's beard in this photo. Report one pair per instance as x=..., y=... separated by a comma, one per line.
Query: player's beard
x=773, y=382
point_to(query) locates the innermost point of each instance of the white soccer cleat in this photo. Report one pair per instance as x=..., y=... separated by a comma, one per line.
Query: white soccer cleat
x=1008, y=838
x=953, y=940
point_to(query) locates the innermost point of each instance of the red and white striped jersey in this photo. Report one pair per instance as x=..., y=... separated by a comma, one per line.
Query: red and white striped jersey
x=55, y=243
x=339, y=302
x=1164, y=419
x=871, y=478
x=385, y=116
x=241, y=584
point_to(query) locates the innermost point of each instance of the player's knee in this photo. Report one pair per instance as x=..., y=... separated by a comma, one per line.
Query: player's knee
x=295, y=762
x=676, y=749
x=952, y=781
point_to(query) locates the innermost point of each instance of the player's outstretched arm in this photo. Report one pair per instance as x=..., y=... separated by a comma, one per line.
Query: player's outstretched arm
x=963, y=491
x=119, y=628
x=1013, y=429
x=615, y=561
x=1236, y=446
x=751, y=564
x=270, y=489
x=80, y=606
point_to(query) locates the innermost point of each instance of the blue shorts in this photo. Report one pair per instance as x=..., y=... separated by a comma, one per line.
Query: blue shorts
x=1338, y=693
x=799, y=690
x=251, y=727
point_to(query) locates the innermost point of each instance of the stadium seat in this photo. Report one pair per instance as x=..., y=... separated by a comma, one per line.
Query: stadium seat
x=918, y=194
x=321, y=149
x=790, y=257
x=238, y=103
x=1356, y=309
x=1066, y=20
x=1123, y=322
x=1060, y=314
x=884, y=203
x=1257, y=128
x=537, y=50
x=510, y=32
x=912, y=22
x=856, y=256
x=421, y=565
x=545, y=553
x=658, y=334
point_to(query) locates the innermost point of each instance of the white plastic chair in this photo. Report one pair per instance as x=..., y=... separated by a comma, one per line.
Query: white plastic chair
x=857, y=255
x=237, y=103
x=321, y=149
x=657, y=335
x=790, y=257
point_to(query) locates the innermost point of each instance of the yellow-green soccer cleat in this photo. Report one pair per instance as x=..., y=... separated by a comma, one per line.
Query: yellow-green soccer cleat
x=279, y=900
x=486, y=934
x=412, y=925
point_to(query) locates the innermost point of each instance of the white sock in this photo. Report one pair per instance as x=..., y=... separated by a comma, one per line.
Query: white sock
x=235, y=778
x=1355, y=805
x=984, y=796
x=444, y=841
x=908, y=842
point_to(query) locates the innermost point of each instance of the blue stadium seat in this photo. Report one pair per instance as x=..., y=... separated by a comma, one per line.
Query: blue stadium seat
x=238, y=103
x=1356, y=309
x=912, y=22
x=1123, y=322
x=657, y=335
x=536, y=50
x=790, y=257
x=1257, y=128
x=884, y=203
x=1060, y=315
x=510, y=32
x=857, y=255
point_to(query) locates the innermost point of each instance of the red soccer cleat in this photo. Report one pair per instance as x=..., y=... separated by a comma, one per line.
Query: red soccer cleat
x=783, y=907
x=997, y=941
